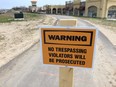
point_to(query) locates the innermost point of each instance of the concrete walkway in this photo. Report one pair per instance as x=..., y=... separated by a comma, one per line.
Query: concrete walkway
x=107, y=32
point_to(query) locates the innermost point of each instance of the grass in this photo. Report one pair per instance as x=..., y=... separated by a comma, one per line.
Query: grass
x=109, y=24
x=101, y=21
x=8, y=17
x=5, y=18
x=32, y=16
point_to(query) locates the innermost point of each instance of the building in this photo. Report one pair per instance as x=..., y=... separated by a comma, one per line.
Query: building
x=55, y=9
x=82, y=9
x=3, y=11
x=90, y=8
x=69, y=7
x=76, y=7
x=33, y=8
x=101, y=8
x=21, y=9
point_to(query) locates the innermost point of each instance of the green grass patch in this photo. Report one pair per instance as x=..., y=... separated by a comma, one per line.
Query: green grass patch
x=5, y=18
x=32, y=16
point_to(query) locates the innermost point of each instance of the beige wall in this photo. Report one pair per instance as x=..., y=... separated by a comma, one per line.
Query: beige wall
x=94, y=3
x=110, y=3
x=33, y=8
x=76, y=4
x=102, y=6
x=56, y=7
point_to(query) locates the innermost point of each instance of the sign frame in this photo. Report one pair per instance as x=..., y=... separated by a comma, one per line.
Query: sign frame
x=74, y=28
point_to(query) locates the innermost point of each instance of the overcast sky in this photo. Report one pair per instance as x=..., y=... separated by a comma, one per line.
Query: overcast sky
x=13, y=3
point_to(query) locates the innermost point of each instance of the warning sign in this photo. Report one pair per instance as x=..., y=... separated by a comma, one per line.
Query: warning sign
x=68, y=47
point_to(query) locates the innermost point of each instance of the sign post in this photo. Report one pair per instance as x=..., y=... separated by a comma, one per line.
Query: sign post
x=66, y=77
x=67, y=22
x=68, y=47
x=65, y=73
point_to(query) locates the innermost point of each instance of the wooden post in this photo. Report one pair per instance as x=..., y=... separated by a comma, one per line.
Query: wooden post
x=65, y=73
x=67, y=22
x=65, y=77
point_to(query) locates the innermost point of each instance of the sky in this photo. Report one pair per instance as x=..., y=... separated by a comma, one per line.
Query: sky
x=7, y=4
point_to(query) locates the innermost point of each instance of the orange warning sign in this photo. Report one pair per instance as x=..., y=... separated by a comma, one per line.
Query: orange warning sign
x=68, y=47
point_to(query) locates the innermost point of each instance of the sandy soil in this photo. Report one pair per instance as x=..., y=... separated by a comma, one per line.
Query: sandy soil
x=16, y=37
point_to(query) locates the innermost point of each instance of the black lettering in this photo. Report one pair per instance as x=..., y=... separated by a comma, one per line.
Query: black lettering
x=51, y=37
x=57, y=38
x=77, y=38
x=79, y=56
x=50, y=49
x=83, y=63
x=53, y=55
x=71, y=50
x=51, y=60
x=84, y=38
x=64, y=61
x=67, y=38
x=62, y=37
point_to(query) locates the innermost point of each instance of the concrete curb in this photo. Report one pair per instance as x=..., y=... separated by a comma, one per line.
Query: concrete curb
x=107, y=33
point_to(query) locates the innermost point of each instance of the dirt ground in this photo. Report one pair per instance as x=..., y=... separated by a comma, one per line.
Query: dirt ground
x=16, y=37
